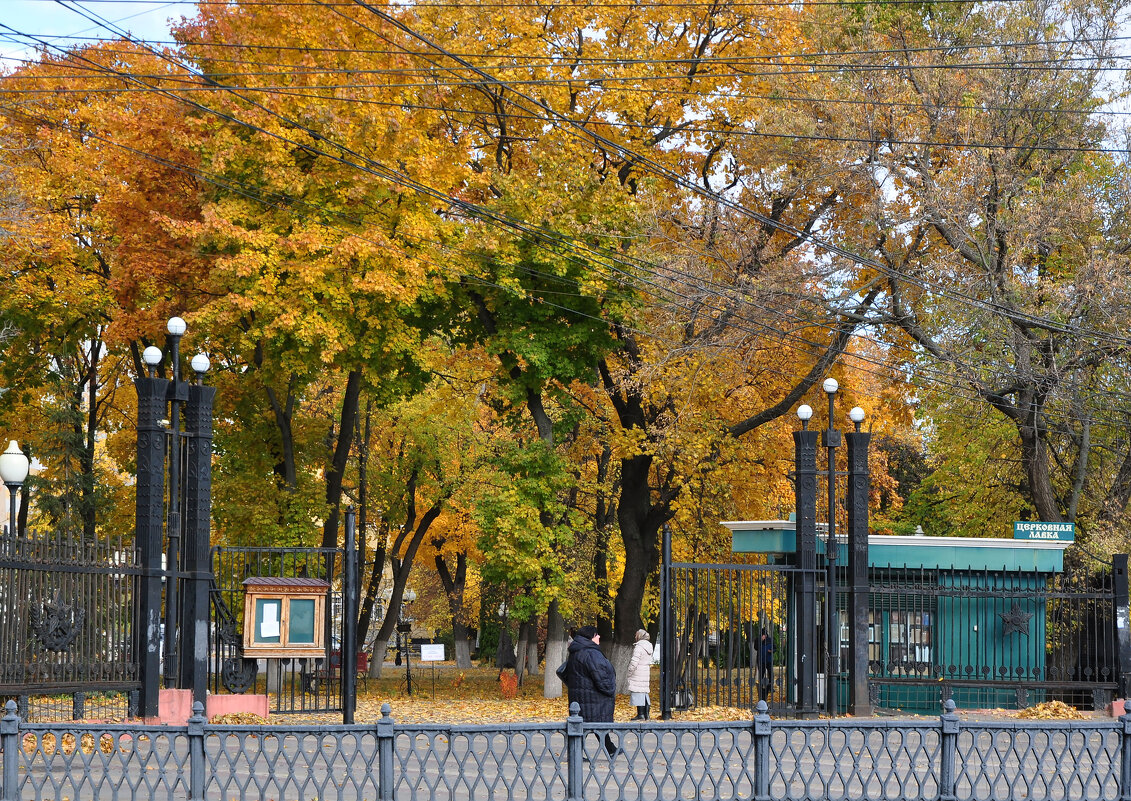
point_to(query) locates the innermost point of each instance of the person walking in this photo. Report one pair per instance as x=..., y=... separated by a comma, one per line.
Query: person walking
x=766, y=664
x=640, y=675
x=590, y=679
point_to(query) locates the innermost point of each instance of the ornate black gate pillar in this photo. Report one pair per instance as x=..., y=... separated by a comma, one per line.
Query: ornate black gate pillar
x=159, y=524
x=805, y=448
x=149, y=537
x=193, y=673
x=859, y=701
x=1122, y=623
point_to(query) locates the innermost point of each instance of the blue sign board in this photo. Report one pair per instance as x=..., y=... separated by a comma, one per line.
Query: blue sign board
x=1026, y=530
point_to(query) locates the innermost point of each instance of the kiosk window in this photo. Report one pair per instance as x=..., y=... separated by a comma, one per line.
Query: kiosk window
x=301, y=630
x=268, y=620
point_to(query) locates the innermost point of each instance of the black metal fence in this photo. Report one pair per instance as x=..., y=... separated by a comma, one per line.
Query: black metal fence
x=67, y=607
x=760, y=759
x=992, y=638
x=720, y=613
x=295, y=685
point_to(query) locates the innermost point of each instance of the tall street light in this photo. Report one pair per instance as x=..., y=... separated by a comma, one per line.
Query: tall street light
x=832, y=621
x=404, y=626
x=14, y=466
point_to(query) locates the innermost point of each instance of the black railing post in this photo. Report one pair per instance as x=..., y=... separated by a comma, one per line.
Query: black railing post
x=197, y=543
x=667, y=625
x=1122, y=622
x=575, y=753
x=10, y=742
x=947, y=752
x=197, y=776
x=149, y=518
x=1125, y=753
x=349, y=616
x=78, y=706
x=805, y=447
x=762, y=726
x=859, y=702
x=385, y=754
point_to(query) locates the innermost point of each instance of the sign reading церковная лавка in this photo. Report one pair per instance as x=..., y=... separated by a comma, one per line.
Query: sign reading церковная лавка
x=1028, y=530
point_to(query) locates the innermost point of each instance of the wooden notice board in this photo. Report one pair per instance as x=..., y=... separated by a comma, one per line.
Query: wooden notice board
x=284, y=617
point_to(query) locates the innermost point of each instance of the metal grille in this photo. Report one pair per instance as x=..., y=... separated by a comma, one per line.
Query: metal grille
x=991, y=639
x=1052, y=761
x=720, y=612
x=763, y=759
x=295, y=685
x=66, y=614
x=327, y=762
x=448, y=763
x=869, y=759
x=675, y=761
x=74, y=762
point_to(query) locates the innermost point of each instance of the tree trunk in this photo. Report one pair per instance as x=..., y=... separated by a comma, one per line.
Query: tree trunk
x=462, y=645
x=1035, y=458
x=532, y=648
x=86, y=460
x=454, y=586
x=337, y=469
x=556, y=645
x=380, y=647
x=640, y=523
x=523, y=647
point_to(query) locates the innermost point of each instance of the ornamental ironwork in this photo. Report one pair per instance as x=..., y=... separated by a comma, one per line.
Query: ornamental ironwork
x=56, y=624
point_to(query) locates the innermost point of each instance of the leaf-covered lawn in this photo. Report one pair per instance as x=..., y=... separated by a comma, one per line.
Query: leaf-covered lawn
x=474, y=696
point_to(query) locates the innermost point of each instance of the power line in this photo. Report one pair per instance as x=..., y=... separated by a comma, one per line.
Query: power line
x=656, y=169
x=937, y=379
x=662, y=171
x=173, y=95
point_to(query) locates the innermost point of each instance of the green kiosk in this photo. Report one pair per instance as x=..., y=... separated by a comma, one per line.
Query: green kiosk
x=987, y=622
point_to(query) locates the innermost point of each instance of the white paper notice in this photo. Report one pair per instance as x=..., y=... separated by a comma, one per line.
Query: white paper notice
x=269, y=626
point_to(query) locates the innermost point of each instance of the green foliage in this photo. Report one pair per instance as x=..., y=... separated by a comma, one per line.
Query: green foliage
x=522, y=488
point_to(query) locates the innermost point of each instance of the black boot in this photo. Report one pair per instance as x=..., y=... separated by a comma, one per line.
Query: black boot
x=641, y=714
x=647, y=709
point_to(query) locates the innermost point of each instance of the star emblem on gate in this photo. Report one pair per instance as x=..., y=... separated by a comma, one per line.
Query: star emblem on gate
x=1015, y=620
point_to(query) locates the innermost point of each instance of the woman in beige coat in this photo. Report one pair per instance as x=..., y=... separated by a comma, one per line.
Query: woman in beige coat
x=640, y=675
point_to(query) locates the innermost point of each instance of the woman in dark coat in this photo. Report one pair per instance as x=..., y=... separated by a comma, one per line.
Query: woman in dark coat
x=591, y=680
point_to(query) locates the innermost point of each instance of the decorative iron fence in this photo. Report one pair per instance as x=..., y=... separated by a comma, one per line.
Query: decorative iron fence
x=66, y=615
x=992, y=638
x=295, y=685
x=719, y=614
x=764, y=759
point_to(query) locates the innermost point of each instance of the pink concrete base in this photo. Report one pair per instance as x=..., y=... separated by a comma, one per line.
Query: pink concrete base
x=174, y=708
x=230, y=704
x=1116, y=708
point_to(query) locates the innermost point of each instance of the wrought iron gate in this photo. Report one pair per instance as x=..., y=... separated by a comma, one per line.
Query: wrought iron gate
x=719, y=615
x=992, y=639
x=294, y=685
x=67, y=609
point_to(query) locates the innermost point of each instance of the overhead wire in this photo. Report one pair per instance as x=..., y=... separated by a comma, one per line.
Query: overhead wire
x=663, y=171
x=653, y=166
x=790, y=340
x=299, y=125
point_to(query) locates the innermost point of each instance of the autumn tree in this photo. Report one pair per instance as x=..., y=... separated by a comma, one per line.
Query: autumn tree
x=997, y=221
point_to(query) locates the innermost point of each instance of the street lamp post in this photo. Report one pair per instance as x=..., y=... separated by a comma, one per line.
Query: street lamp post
x=405, y=626
x=176, y=328
x=832, y=439
x=805, y=632
x=14, y=466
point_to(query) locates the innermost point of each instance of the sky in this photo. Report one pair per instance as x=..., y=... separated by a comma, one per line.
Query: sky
x=145, y=19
